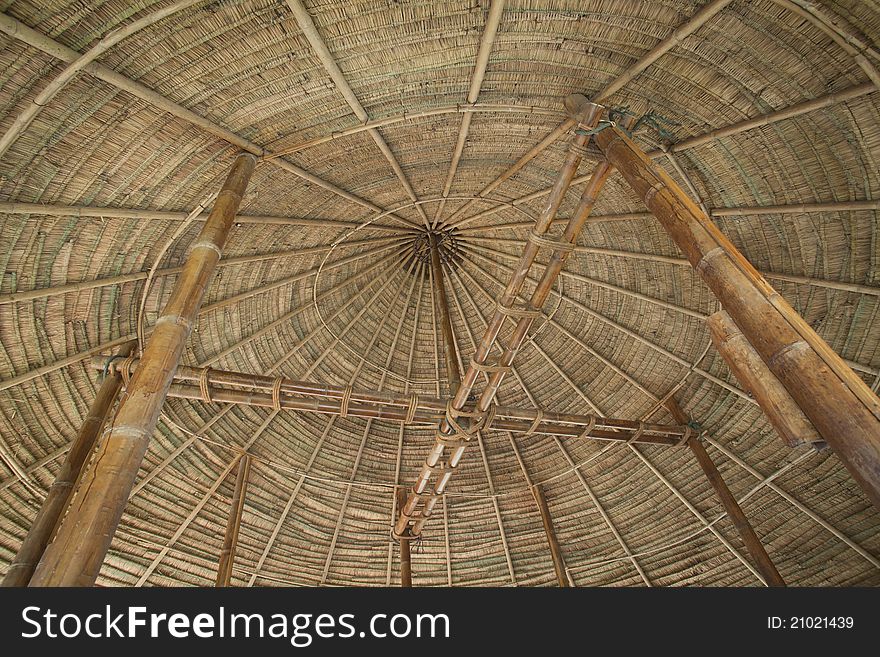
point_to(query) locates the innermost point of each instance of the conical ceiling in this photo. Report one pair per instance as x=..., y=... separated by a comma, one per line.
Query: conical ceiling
x=325, y=276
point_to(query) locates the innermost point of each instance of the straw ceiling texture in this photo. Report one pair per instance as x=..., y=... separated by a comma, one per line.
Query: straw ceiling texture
x=319, y=503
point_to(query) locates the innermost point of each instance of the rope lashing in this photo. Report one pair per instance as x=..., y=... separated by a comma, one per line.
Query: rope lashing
x=636, y=434
x=538, y=418
x=577, y=149
x=519, y=312
x=203, y=385
x=590, y=426
x=488, y=367
x=276, y=393
x=692, y=427
x=603, y=125
x=687, y=434
x=412, y=408
x=540, y=240
x=106, y=370
x=460, y=433
x=346, y=398
x=125, y=370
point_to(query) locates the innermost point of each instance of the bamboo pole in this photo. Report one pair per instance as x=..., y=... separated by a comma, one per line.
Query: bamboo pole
x=405, y=556
x=257, y=390
x=453, y=376
x=233, y=523
x=555, y=550
x=490, y=29
x=703, y=16
x=310, y=31
x=838, y=403
x=728, y=501
x=778, y=405
x=61, y=491
x=585, y=114
x=75, y=558
x=31, y=37
x=146, y=214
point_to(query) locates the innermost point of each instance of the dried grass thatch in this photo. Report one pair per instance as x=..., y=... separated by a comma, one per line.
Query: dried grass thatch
x=627, y=325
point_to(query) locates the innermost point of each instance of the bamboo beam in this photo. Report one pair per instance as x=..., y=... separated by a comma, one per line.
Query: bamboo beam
x=684, y=30
x=552, y=541
x=26, y=116
x=97, y=212
x=838, y=403
x=58, y=498
x=307, y=25
x=233, y=523
x=738, y=211
x=110, y=344
x=395, y=504
x=453, y=376
x=256, y=390
x=858, y=288
x=490, y=29
x=703, y=16
x=391, y=349
x=778, y=405
x=31, y=37
x=549, y=139
x=405, y=557
x=197, y=509
x=728, y=501
x=797, y=504
x=76, y=556
x=585, y=114
x=850, y=93
x=841, y=37
x=27, y=295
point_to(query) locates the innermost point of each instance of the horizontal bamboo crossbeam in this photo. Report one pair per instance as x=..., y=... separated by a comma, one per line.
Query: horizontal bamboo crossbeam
x=98, y=212
x=738, y=211
x=257, y=390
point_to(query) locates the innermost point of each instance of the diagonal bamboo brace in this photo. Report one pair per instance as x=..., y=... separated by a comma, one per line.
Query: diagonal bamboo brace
x=839, y=404
x=586, y=115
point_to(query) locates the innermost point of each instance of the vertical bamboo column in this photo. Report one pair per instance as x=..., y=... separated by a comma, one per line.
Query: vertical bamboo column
x=778, y=405
x=838, y=403
x=233, y=523
x=76, y=555
x=405, y=558
x=555, y=550
x=58, y=497
x=728, y=501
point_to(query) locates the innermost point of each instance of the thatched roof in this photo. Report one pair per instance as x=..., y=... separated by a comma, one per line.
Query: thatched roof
x=627, y=317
